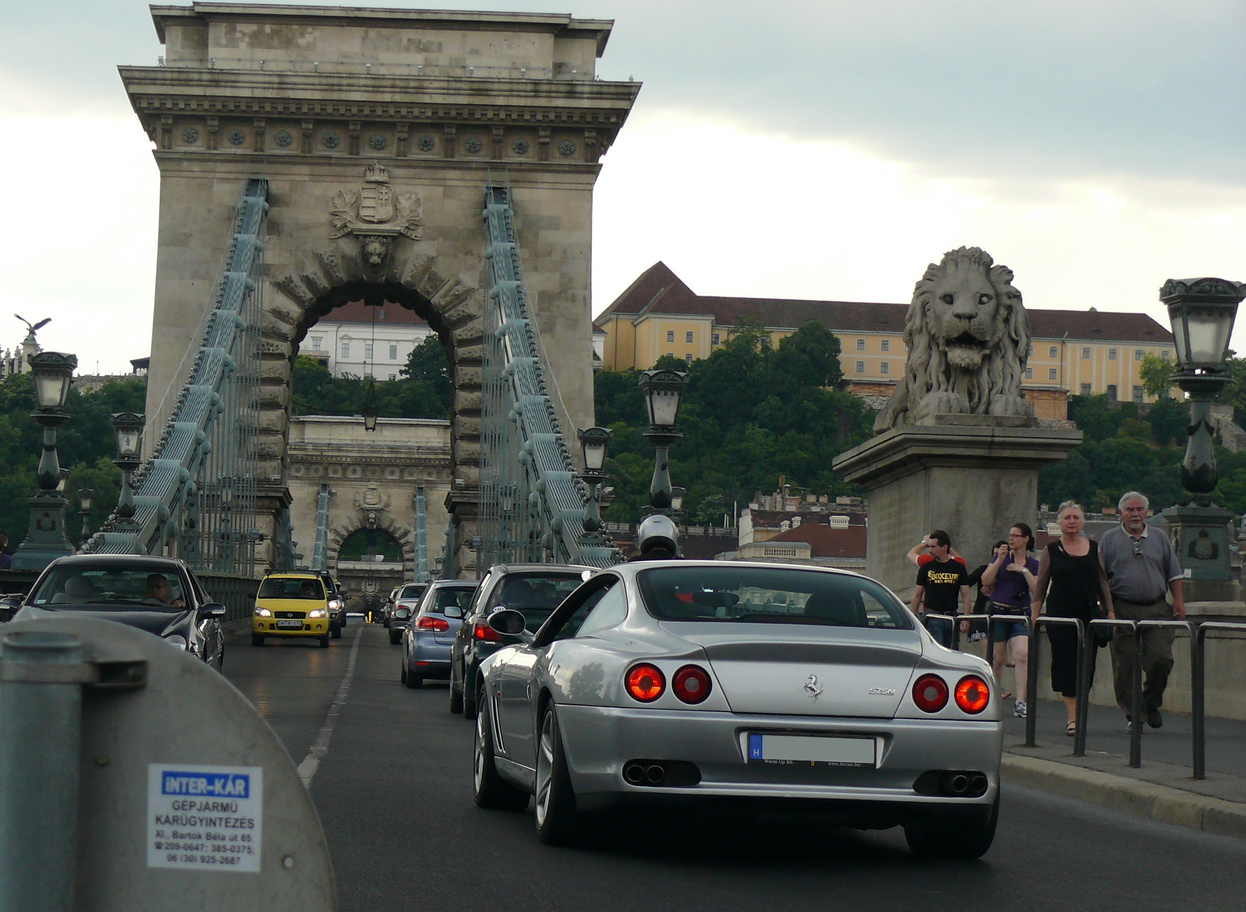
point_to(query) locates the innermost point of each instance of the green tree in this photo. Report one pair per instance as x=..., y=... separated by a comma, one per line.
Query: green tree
x=1156, y=374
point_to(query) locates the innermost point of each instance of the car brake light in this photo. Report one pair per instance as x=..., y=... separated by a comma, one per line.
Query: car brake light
x=432, y=623
x=972, y=694
x=930, y=693
x=691, y=684
x=482, y=631
x=646, y=683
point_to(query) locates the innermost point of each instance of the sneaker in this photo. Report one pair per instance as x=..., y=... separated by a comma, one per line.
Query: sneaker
x=1129, y=725
x=1153, y=718
x=1019, y=709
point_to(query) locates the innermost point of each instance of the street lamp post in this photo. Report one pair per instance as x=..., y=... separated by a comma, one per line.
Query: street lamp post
x=1202, y=312
x=85, y=498
x=128, y=427
x=45, y=539
x=594, y=442
x=663, y=390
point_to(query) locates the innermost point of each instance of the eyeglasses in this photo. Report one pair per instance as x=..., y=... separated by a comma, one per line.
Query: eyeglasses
x=1137, y=547
x=1015, y=535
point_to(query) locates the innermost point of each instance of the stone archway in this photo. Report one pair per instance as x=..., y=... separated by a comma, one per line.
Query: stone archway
x=377, y=132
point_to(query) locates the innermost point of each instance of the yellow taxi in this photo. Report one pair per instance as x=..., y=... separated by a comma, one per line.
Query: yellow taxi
x=291, y=604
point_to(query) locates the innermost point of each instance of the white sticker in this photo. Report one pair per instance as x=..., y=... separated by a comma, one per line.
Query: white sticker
x=206, y=818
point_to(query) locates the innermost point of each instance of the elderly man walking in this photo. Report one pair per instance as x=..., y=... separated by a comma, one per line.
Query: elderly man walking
x=1142, y=567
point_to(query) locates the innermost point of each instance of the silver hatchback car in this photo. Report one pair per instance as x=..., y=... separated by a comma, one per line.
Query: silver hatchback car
x=406, y=602
x=427, y=640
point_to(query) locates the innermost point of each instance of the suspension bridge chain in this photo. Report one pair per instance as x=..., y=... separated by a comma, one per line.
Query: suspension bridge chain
x=531, y=502
x=196, y=494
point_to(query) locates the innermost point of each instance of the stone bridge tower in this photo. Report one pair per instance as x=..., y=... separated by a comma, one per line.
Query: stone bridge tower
x=377, y=130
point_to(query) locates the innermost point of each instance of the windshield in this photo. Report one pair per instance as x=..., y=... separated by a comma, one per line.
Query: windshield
x=291, y=588
x=101, y=588
x=769, y=595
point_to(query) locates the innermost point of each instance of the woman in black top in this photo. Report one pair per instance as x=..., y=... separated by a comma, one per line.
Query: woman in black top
x=1073, y=584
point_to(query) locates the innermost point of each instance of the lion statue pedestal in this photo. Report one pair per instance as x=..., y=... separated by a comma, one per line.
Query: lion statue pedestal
x=971, y=475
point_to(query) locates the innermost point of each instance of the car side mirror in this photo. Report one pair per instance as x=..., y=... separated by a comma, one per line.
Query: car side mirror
x=212, y=610
x=8, y=607
x=402, y=613
x=508, y=621
x=453, y=611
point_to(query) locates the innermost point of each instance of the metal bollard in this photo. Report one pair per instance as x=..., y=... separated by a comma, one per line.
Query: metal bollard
x=41, y=678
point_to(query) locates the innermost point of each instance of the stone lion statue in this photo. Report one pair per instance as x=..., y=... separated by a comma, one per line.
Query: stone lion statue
x=968, y=339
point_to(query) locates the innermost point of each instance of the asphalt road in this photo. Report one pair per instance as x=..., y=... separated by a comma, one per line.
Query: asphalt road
x=390, y=773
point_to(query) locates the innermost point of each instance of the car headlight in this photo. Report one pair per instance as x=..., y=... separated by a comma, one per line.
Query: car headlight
x=177, y=640
x=335, y=604
x=318, y=613
x=262, y=612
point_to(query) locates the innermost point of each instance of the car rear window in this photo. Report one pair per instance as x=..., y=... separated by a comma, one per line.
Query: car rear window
x=769, y=595
x=414, y=590
x=445, y=596
x=536, y=594
x=291, y=588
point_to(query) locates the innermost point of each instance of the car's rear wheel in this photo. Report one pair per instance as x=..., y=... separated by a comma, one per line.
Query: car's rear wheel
x=257, y=640
x=490, y=790
x=456, y=692
x=469, y=699
x=964, y=839
x=394, y=636
x=556, y=817
x=337, y=632
x=324, y=641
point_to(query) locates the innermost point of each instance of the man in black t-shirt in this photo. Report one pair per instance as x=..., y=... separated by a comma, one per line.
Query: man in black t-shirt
x=940, y=583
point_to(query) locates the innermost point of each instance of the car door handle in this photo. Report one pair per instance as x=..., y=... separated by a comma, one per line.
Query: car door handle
x=527, y=691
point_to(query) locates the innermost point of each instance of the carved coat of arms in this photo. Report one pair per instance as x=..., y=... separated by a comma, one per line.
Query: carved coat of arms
x=376, y=210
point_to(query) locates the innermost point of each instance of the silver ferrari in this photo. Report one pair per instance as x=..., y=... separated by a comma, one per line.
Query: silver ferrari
x=694, y=681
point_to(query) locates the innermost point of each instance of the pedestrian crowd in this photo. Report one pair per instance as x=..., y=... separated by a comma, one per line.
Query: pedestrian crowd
x=1131, y=573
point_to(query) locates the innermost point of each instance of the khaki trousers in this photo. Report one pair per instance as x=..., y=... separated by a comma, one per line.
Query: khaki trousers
x=1156, y=654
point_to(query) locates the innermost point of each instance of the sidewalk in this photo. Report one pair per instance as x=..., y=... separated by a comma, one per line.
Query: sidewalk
x=1162, y=789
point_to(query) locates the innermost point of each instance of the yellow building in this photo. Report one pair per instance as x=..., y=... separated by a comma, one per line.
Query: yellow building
x=1073, y=352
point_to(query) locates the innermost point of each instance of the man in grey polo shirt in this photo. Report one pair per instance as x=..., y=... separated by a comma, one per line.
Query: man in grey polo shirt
x=1141, y=568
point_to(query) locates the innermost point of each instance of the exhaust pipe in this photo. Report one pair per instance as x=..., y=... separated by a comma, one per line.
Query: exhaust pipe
x=633, y=773
x=956, y=783
x=977, y=785
x=655, y=774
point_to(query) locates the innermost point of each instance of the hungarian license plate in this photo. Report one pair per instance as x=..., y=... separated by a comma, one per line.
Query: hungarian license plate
x=811, y=750
x=292, y=625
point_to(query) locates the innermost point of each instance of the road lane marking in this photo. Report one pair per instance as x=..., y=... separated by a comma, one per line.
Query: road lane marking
x=320, y=747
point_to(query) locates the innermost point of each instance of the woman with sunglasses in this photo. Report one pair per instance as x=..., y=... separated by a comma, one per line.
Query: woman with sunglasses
x=1006, y=582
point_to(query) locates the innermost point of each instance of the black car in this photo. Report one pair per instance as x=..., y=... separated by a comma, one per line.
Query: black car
x=534, y=589
x=337, y=603
x=158, y=594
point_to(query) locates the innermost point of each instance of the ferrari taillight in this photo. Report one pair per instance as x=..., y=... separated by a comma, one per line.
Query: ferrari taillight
x=432, y=623
x=972, y=694
x=691, y=684
x=646, y=682
x=930, y=693
x=482, y=631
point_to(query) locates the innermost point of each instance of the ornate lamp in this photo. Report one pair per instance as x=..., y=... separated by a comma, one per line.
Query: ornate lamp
x=594, y=442
x=663, y=391
x=86, y=497
x=369, y=409
x=128, y=427
x=45, y=539
x=1202, y=313
x=677, y=498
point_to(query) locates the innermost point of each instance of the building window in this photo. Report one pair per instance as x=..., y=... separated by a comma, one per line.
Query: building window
x=1139, y=354
x=1138, y=395
x=860, y=367
x=316, y=340
x=1051, y=352
x=1086, y=353
x=1029, y=373
x=1051, y=373
x=1085, y=389
x=885, y=367
x=688, y=357
x=345, y=349
x=688, y=336
x=393, y=376
x=367, y=351
x=1164, y=355
x=1112, y=392
x=1111, y=354
x=1029, y=351
x=393, y=351
x=716, y=338
x=670, y=335
x=885, y=345
x=860, y=345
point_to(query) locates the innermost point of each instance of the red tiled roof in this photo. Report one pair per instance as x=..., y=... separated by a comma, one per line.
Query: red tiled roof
x=658, y=290
x=388, y=315
x=825, y=541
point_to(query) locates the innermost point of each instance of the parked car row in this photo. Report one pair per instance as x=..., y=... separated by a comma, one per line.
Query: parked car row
x=688, y=681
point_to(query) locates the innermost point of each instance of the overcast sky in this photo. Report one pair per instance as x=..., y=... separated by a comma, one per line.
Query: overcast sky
x=821, y=150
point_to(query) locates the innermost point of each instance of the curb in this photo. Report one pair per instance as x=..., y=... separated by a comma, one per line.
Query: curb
x=1145, y=799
